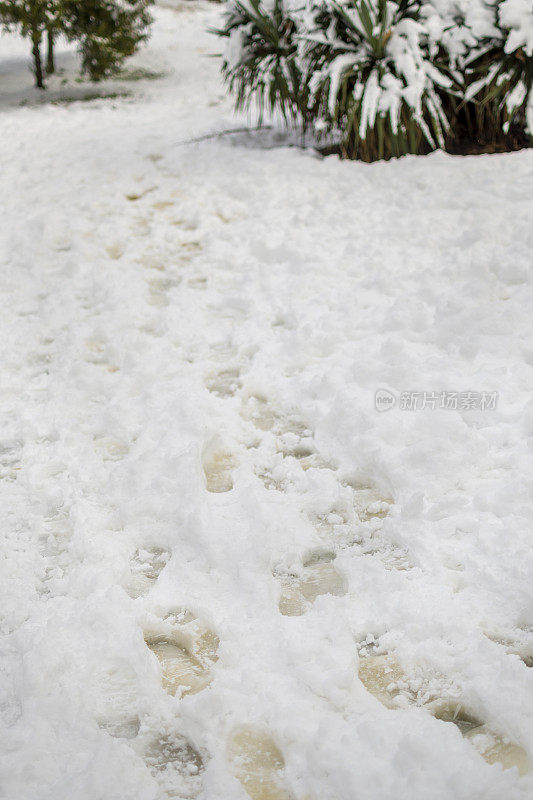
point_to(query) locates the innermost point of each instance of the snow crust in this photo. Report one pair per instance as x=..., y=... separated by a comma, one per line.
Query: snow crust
x=191, y=461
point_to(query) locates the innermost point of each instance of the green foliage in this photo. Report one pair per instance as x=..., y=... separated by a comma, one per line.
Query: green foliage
x=389, y=76
x=108, y=31
x=31, y=15
x=503, y=88
x=376, y=80
x=269, y=73
x=488, y=107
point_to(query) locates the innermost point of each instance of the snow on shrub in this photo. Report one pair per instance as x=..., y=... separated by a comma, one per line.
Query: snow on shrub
x=260, y=61
x=391, y=76
x=512, y=74
x=516, y=16
x=375, y=77
x=461, y=29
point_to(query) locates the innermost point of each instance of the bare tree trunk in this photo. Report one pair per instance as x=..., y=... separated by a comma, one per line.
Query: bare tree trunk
x=37, y=63
x=50, y=60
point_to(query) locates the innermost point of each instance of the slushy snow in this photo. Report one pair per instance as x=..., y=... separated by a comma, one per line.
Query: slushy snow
x=225, y=574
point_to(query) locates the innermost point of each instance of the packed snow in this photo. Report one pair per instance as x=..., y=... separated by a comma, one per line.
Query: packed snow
x=225, y=573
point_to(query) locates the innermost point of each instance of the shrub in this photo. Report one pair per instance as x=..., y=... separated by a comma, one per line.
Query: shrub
x=375, y=79
x=509, y=67
x=261, y=60
x=389, y=76
x=107, y=31
x=491, y=69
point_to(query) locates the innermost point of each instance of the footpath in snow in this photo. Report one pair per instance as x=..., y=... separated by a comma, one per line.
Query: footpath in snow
x=224, y=573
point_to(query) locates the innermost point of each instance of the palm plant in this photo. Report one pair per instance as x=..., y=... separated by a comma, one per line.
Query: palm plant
x=508, y=68
x=375, y=79
x=261, y=62
x=488, y=47
x=389, y=77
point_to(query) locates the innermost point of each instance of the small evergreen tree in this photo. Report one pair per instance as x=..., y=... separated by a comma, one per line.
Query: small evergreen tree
x=33, y=18
x=108, y=31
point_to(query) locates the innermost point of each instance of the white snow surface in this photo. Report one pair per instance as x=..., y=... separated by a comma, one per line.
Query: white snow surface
x=162, y=299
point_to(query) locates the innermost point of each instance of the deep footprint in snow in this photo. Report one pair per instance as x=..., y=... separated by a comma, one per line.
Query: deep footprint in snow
x=257, y=410
x=180, y=670
x=493, y=747
x=10, y=459
x=158, y=287
x=369, y=503
x=224, y=383
x=380, y=675
x=167, y=749
x=110, y=448
x=186, y=656
x=455, y=712
x=389, y=554
x=383, y=677
x=520, y=645
x=329, y=522
x=496, y=749
x=302, y=448
x=146, y=566
x=258, y=764
x=293, y=440
x=318, y=577
x=175, y=764
x=127, y=728
x=218, y=464
x=112, y=693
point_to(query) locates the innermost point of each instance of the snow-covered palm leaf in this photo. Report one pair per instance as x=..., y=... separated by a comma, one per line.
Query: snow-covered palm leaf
x=261, y=62
x=376, y=80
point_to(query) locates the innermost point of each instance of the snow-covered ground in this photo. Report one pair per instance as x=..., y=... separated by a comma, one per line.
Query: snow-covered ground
x=225, y=574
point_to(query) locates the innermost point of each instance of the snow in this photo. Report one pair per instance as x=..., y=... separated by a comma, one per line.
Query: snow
x=192, y=338
x=518, y=17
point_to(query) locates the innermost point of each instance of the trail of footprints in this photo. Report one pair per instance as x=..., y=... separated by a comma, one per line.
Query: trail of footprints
x=296, y=454
x=187, y=650
x=256, y=761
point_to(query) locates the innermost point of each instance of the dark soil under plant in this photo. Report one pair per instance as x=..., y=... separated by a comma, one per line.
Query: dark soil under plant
x=458, y=146
x=463, y=146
